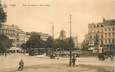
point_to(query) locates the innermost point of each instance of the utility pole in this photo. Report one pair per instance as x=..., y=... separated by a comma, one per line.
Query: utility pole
x=53, y=31
x=53, y=39
x=70, y=61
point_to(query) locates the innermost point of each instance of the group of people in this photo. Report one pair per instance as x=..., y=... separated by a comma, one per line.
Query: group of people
x=74, y=60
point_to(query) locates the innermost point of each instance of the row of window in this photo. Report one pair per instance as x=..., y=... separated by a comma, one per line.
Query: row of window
x=109, y=29
x=7, y=31
x=94, y=36
x=92, y=42
x=109, y=34
x=101, y=30
x=9, y=34
x=95, y=26
x=95, y=31
x=107, y=41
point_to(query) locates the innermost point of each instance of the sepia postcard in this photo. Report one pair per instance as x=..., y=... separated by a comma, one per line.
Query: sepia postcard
x=57, y=35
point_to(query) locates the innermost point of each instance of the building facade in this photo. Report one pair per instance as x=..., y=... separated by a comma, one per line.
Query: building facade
x=10, y=31
x=21, y=37
x=44, y=36
x=13, y=32
x=102, y=33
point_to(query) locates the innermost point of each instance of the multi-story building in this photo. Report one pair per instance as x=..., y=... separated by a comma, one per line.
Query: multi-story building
x=21, y=37
x=13, y=32
x=44, y=36
x=10, y=31
x=27, y=36
x=102, y=33
x=109, y=34
x=85, y=42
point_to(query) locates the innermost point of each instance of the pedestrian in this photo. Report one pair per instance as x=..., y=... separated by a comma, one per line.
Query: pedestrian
x=77, y=62
x=111, y=57
x=21, y=65
x=73, y=60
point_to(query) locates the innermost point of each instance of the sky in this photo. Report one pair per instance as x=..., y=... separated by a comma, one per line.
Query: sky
x=40, y=18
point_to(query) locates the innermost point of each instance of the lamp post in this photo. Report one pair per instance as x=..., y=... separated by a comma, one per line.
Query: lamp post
x=70, y=61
